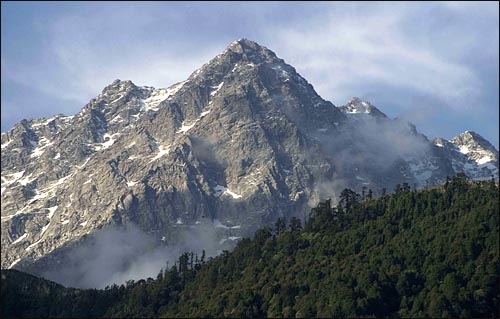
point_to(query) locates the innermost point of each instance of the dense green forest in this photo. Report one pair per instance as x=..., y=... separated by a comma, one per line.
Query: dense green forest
x=425, y=253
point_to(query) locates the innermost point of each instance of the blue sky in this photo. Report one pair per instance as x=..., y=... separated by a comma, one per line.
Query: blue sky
x=435, y=63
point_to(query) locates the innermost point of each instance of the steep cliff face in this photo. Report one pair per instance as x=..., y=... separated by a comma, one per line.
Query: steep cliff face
x=242, y=141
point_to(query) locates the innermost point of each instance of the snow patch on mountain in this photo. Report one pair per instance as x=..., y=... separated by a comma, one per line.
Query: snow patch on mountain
x=204, y=113
x=162, y=151
x=185, y=128
x=11, y=178
x=43, y=123
x=19, y=239
x=216, y=89
x=51, y=210
x=109, y=140
x=221, y=190
x=41, y=146
x=159, y=95
x=464, y=149
x=7, y=144
x=33, y=245
x=130, y=184
x=26, y=180
x=15, y=262
x=484, y=160
x=44, y=229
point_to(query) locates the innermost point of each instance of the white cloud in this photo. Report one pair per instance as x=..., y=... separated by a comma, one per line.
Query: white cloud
x=85, y=52
x=350, y=50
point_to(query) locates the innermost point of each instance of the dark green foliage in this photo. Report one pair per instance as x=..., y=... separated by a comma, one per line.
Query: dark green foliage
x=24, y=295
x=430, y=253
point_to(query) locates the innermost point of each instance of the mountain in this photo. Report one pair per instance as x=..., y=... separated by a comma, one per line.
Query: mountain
x=471, y=153
x=357, y=106
x=411, y=254
x=244, y=140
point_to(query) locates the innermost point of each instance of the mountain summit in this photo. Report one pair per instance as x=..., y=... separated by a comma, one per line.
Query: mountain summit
x=357, y=106
x=475, y=147
x=243, y=140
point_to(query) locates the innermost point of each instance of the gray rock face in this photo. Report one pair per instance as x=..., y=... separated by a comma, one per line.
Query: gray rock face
x=242, y=141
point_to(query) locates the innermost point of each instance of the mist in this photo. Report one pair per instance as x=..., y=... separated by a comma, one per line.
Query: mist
x=378, y=142
x=114, y=254
x=369, y=148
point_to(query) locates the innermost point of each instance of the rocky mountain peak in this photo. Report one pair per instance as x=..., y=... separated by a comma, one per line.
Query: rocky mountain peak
x=475, y=147
x=246, y=69
x=119, y=85
x=357, y=106
x=239, y=56
x=471, y=138
x=251, y=51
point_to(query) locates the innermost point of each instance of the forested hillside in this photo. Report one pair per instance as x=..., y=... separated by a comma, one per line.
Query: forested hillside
x=433, y=252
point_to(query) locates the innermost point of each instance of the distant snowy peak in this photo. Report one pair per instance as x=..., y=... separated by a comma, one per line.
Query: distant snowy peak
x=475, y=147
x=471, y=154
x=474, y=140
x=357, y=106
